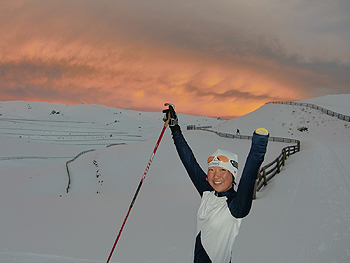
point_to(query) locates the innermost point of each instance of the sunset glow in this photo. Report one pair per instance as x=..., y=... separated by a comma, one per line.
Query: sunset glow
x=139, y=55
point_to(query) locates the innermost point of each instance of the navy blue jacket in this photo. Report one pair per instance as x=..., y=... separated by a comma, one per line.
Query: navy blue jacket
x=239, y=202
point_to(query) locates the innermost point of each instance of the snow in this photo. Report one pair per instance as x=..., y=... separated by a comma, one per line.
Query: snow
x=303, y=215
x=334, y=103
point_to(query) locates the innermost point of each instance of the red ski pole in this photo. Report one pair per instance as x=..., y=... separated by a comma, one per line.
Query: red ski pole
x=138, y=188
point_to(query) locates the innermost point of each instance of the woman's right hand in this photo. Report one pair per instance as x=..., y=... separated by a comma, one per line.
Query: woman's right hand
x=171, y=117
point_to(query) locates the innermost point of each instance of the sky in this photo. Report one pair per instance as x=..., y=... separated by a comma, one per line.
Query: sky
x=220, y=58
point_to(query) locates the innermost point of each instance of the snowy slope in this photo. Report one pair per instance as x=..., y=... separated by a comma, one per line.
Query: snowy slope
x=301, y=216
x=337, y=103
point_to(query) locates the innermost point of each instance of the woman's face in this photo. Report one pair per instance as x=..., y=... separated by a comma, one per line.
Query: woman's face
x=220, y=178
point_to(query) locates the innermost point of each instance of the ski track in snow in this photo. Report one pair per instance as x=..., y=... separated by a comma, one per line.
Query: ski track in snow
x=289, y=206
x=343, y=172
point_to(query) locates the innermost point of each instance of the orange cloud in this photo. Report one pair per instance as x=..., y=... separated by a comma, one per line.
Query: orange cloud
x=126, y=56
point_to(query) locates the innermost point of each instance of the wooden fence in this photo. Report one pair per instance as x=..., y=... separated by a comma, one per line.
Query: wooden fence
x=268, y=171
x=324, y=110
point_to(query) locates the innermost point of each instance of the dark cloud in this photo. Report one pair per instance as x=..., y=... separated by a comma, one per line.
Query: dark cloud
x=46, y=72
x=229, y=94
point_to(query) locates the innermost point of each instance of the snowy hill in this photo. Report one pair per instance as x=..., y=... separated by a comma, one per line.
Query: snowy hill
x=303, y=215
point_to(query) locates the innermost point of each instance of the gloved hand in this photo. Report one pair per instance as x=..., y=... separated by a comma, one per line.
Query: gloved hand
x=170, y=115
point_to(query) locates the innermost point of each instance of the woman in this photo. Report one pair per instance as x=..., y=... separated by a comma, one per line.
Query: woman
x=222, y=208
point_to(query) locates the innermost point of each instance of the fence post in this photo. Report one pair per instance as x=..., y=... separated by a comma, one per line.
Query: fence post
x=284, y=156
x=255, y=187
x=278, y=165
x=264, y=175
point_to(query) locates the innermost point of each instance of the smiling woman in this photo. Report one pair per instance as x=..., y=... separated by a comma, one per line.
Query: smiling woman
x=222, y=208
x=222, y=169
x=220, y=179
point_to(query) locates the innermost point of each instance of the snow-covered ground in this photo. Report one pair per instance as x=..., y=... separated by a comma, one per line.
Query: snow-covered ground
x=303, y=215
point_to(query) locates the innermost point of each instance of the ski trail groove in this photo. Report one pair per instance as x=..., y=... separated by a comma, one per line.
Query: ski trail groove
x=341, y=167
x=289, y=206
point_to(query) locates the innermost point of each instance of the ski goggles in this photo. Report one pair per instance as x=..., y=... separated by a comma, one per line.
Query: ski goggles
x=222, y=158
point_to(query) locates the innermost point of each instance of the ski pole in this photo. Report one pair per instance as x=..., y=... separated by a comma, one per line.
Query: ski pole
x=138, y=188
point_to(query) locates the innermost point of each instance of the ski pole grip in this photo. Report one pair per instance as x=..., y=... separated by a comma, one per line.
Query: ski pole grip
x=166, y=123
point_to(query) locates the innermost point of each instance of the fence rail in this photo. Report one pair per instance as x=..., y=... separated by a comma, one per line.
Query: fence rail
x=340, y=116
x=268, y=171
